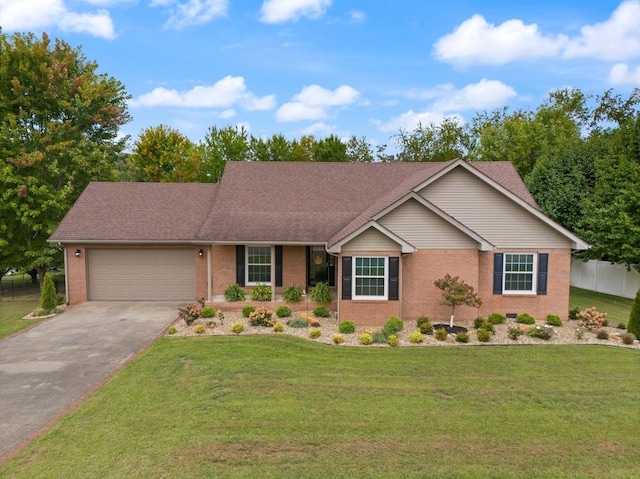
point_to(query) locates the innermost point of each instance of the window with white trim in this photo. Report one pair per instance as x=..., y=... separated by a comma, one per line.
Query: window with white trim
x=519, y=273
x=370, y=277
x=258, y=265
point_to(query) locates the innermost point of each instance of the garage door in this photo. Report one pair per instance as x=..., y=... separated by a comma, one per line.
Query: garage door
x=138, y=274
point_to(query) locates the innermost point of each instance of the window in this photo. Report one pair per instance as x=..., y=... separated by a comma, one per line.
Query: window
x=519, y=273
x=370, y=274
x=258, y=264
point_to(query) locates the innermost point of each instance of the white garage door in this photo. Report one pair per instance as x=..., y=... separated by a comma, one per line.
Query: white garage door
x=139, y=274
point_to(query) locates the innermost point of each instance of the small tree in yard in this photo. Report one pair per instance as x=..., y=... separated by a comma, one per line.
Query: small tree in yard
x=634, y=318
x=49, y=299
x=456, y=292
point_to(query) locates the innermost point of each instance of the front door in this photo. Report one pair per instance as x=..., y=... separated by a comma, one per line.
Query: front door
x=320, y=266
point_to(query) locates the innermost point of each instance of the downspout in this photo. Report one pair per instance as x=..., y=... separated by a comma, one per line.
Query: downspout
x=209, y=278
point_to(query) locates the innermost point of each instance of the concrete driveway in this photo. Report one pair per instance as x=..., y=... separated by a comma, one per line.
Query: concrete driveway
x=46, y=369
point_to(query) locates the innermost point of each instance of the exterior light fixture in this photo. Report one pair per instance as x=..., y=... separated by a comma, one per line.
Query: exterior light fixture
x=77, y=253
x=200, y=253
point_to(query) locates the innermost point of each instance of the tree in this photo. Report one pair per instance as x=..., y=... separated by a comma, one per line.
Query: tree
x=456, y=292
x=162, y=154
x=59, y=122
x=220, y=146
x=49, y=299
x=447, y=141
x=330, y=149
x=633, y=326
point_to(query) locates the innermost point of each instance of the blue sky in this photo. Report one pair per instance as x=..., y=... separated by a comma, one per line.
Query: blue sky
x=343, y=67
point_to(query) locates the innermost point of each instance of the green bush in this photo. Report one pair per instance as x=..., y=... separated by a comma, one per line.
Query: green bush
x=554, y=320
x=278, y=327
x=424, y=325
x=497, y=318
x=247, y=310
x=297, y=323
x=208, y=312
x=462, y=337
x=392, y=326
x=321, y=293
x=633, y=325
x=338, y=338
x=260, y=292
x=234, y=292
x=622, y=326
x=190, y=313
x=237, y=328
x=441, y=334
x=628, y=338
x=393, y=341
x=366, y=339
x=514, y=333
x=544, y=332
x=416, y=337
x=198, y=329
x=321, y=312
x=49, y=299
x=602, y=334
x=573, y=313
x=525, y=318
x=379, y=337
x=315, y=333
x=172, y=330
x=292, y=294
x=347, y=327
x=484, y=336
x=482, y=323
x=262, y=317
x=283, y=311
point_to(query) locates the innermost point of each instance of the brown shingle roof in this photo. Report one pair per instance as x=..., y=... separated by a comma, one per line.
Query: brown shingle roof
x=149, y=212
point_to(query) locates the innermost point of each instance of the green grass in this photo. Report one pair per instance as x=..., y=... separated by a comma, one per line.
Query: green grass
x=617, y=308
x=12, y=312
x=283, y=407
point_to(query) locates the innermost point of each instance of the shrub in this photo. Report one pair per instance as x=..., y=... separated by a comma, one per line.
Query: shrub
x=591, y=318
x=525, y=318
x=338, y=338
x=347, y=327
x=628, y=338
x=297, y=323
x=198, y=329
x=366, y=339
x=554, y=320
x=321, y=312
x=190, y=313
x=622, y=326
x=424, y=325
x=573, y=313
x=484, y=336
x=393, y=341
x=633, y=326
x=462, y=337
x=379, y=337
x=260, y=292
x=172, y=330
x=262, y=317
x=292, y=294
x=208, y=312
x=482, y=323
x=392, y=326
x=247, y=310
x=545, y=332
x=315, y=333
x=283, y=311
x=478, y=322
x=441, y=334
x=278, y=327
x=49, y=299
x=416, y=337
x=497, y=318
x=321, y=293
x=237, y=328
x=602, y=334
x=514, y=333
x=234, y=292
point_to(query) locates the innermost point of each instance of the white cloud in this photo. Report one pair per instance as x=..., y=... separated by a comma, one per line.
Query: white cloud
x=357, y=16
x=475, y=41
x=192, y=12
x=313, y=102
x=621, y=75
x=30, y=15
x=410, y=120
x=477, y=96
x=319, y=129
x=230, y=113
x=278, y=11
x=224, y=93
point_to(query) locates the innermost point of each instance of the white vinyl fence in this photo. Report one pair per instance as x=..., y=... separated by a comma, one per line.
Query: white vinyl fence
x=605, y=277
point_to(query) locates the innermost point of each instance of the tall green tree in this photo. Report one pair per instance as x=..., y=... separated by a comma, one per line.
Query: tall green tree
x=330, y=149
x=447, y=141
x=59, y=123
x=220, y=146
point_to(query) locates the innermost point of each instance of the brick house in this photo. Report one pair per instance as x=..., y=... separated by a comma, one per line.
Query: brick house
x=380, y=234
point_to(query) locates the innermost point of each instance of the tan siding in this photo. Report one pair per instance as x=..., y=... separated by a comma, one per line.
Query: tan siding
x=490, y=213
x=414, y=223
x=371, y=240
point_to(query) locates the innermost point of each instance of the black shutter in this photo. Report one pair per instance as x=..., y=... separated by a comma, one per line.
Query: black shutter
x=498, y=266
x=543, y=268
x=346, y=277
x=394, y=273
x=279, y=265
x=240, y=264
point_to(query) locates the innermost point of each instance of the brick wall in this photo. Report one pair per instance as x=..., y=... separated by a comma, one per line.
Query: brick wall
x=76, y=274
x=223, y=267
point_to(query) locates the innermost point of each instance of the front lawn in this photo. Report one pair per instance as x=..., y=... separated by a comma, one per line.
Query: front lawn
x=279, y=407
x=12, y=312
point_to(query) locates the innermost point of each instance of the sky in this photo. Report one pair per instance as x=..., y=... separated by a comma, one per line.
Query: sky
x=345, y=67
